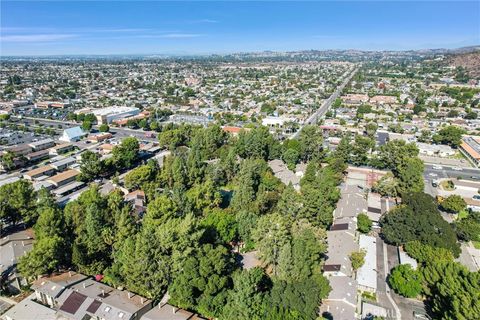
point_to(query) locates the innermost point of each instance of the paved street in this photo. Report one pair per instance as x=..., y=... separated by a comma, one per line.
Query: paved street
x=322, y=110
x=382, y=289
x=4, y=305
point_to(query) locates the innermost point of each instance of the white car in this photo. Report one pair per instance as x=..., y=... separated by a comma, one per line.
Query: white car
x=437, y=167
x=431, y=174
x=457, y=168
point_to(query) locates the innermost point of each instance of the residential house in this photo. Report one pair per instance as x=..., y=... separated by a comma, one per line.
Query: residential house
x=12, y=248
x=35, y=174
x=61, y=148
x=367, y=274
x=63, y=164
x=37, y=155
x=341, y=302
x=341, y=243
x=63, y=178
x=42, y=144
x=281, y=171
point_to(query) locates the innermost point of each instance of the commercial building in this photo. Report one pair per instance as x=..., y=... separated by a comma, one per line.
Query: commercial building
x=470, y=147
x=95, y=138
x=109, y=114
x=72, y=134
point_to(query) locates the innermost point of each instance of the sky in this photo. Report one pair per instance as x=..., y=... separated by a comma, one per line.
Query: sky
x=205, y=27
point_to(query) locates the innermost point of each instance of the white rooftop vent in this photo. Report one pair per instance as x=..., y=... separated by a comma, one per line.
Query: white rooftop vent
x=107, y=309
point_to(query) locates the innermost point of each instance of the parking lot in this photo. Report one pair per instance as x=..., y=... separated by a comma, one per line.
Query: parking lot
x=9, y=137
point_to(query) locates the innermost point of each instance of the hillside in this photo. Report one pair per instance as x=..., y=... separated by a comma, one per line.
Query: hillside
x=469, y=61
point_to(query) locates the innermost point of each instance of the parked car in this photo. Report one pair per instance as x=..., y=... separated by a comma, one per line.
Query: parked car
x=437, y=167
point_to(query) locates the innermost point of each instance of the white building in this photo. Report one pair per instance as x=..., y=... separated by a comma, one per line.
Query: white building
x=72, y=134
x=367, y=274
x=109, y=114
x=435, y=150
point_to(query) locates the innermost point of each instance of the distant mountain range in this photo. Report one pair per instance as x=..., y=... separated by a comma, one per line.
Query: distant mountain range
x=325, y=54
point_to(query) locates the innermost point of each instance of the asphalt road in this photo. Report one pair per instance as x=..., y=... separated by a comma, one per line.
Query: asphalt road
x=382, y=288
x=326, y=104
x=449, y=172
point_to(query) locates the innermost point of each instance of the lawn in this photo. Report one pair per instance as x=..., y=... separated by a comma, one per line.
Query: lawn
x=476, y=244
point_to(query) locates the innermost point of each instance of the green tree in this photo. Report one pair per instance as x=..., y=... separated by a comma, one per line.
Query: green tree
x=222, y=223
x=104, y=127
x=469, y=228
x=453, y=204
x=90, y=166
x=203, y=281
x=410, y=176
x=86, y=125
x=311, y=143
x=289, y=203
x=450, y=135
x=360, y=150
x=44, y=258
x=364, y=224
x=257, y=143
x=394, y=154
x=17, y=202
x=453, y=291
x=245, y=299
x=139, y=176
x=270, y=235
x=7, y=160
x=300, y=299
x=425, y=253
x=357, y=259
x=51, y=249
x=405, y=281
x=418, y=219
x=126, y=153
x=291, y=157
x=387, y=186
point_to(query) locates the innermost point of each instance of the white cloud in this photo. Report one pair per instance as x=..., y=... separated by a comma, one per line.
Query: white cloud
x=36, y=37
x=207, y=21
x=173, y=35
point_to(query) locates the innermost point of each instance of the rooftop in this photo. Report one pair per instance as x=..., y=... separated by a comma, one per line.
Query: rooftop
x=367, y=274
x=113, y=110
x=64, y=176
